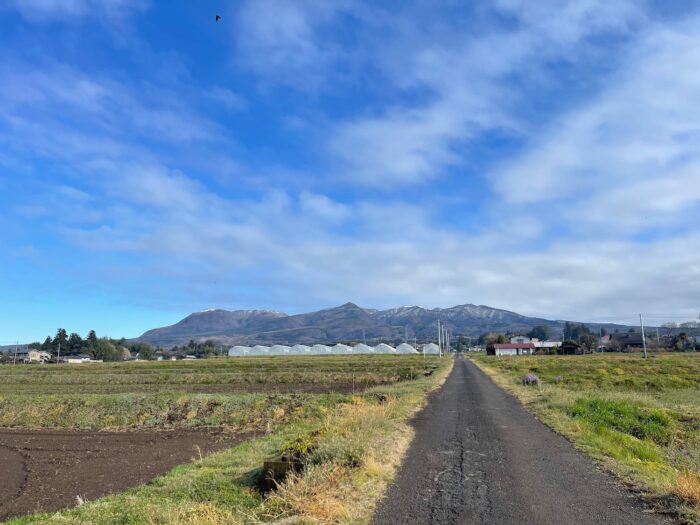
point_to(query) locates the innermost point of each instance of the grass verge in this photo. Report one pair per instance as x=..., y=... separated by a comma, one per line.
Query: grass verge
x=639, y=418
x=356, y=444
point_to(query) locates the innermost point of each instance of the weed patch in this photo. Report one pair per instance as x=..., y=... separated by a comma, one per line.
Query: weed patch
x=626, y=417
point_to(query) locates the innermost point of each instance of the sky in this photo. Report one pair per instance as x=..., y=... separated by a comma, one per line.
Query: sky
x=541, y=157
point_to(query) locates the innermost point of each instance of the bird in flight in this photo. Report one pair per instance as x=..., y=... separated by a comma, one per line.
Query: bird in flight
x=218, y=18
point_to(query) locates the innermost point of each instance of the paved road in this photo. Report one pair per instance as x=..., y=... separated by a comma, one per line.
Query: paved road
x=480, y=458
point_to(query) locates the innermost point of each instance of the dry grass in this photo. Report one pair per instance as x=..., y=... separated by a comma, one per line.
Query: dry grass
x=687, y=487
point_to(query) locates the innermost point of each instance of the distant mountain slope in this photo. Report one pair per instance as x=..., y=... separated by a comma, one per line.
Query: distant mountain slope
x=348, y=322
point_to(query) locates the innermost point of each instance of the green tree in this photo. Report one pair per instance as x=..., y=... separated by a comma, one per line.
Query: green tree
x=46, y=345
x=493, y=338
x=75, y=344
x=104, y=350
x=143, y=350
x=91, y=339
x=61, y=338
x=540, y=332
x=35, y=346
x=589, y=342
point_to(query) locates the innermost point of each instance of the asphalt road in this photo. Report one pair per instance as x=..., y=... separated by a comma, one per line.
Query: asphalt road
x=480, y=458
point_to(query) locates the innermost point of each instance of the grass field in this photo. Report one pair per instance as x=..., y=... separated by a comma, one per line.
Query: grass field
x=352, y=443
x=294, y=374
x=640, y=417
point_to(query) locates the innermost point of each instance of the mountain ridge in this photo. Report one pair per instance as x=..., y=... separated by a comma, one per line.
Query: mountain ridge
x=347, y=322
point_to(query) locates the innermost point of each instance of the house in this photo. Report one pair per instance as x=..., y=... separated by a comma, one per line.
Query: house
x=519, y=340
x=626, y=341
x=33, y=356
x=569, y=348
x=513, y=349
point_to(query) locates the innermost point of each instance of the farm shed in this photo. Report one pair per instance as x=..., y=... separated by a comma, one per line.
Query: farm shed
x=279, y=350
x=260, y=350
x=301, y=349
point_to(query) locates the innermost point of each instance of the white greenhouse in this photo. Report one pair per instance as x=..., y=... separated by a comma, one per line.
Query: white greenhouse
x=405, y=348
x=431, y=348
x=338, y=349
x=341, y=349
x=237, y=351
x=384, y=349
x=362, y=349
x=320, y=349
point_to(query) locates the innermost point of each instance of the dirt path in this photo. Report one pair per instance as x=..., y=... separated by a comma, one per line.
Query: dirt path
x=48, y=470
x=480, y=458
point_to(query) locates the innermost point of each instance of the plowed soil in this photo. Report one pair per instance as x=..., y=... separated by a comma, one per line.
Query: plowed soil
x=43, y=470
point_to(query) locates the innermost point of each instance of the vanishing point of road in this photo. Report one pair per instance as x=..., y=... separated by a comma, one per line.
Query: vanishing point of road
x=479, y=457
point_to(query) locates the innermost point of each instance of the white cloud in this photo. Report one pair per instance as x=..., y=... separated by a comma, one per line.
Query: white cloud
x=469, y=81
x=627, y=161
x=280, y=39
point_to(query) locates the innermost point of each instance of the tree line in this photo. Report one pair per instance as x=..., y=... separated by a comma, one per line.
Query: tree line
x=98, y=348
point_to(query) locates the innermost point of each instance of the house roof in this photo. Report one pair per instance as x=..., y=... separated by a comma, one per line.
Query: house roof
x=513, y=346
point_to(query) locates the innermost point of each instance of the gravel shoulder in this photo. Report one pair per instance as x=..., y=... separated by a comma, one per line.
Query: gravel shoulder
x=479, y=457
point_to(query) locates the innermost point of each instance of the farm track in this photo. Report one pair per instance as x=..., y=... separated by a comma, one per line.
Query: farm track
x=479, y=457
x=44, y=470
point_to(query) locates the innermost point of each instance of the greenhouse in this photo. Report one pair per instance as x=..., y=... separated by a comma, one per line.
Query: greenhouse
x=338, y=349
x=341, y=349
x=405, y=348
x=237, y=351
x=301, y=349
x=384, y=349
x=431, y=348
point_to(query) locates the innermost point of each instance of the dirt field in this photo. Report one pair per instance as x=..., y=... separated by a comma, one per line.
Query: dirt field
x=50, y=470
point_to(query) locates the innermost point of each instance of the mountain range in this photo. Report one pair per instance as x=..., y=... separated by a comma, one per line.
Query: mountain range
x=348, y=322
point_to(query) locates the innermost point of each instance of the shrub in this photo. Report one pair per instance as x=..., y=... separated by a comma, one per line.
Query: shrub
x=530, y=379
x=558, y=379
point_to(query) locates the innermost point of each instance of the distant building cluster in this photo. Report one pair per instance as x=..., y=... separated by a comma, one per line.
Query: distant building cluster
x=339, y=349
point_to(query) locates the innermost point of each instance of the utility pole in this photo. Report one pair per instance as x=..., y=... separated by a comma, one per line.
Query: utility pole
x=364, y=339
x=15, y=361
x=439, y=337
x=58, y=359
x=644, y=341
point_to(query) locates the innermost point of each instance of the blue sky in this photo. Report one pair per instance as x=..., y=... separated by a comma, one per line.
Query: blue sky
x=541, y=157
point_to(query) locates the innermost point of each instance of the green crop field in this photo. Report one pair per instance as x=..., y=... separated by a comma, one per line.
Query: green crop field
x=352, y=442
x=640, y=417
